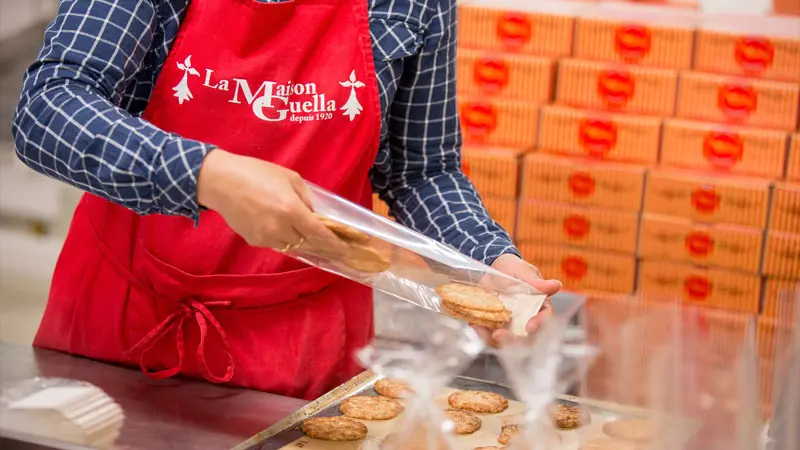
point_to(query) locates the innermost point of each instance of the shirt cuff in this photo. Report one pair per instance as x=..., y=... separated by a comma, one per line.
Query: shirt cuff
x=176, y=177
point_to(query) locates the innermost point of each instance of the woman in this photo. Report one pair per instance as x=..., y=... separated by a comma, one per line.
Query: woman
x=191, y=125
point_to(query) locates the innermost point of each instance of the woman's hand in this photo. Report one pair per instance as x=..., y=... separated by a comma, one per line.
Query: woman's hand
x=264, y=203
x=517, y=268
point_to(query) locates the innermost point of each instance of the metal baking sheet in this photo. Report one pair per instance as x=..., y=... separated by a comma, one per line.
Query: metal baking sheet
x=286, y=434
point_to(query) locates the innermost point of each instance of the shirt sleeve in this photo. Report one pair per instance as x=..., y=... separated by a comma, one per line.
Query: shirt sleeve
x=68, y=124
x=427, y=189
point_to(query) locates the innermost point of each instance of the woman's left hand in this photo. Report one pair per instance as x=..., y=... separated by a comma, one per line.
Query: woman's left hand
x=517, y=268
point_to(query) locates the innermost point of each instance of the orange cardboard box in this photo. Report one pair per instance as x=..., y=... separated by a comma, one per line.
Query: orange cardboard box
x=520, y=77
x=708, y=198
x=782, y=257
x=578, y=226
x=534, y=28
x=722, y=98
x=786, y=208
x=616, y=87
x=636, y=34
x=774, y=335
x=493, y=171
x=747, y=45
x=681, y=240
x=486, y=121
x=781, y=298
x=581, y=269
x=793, y=169
x=380, y=207
x=613, y=137
x=582, y=181
x=717, y=288
x=723, y=148
x=503, y=211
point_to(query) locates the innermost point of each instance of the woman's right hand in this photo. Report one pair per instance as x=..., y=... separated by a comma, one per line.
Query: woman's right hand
x=266, y=204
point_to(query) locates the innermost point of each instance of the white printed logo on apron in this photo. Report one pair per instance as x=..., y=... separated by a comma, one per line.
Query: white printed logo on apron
x=274, y=101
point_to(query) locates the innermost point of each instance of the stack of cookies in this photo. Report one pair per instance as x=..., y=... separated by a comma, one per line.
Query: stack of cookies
x=364, y=257
x=474, y=305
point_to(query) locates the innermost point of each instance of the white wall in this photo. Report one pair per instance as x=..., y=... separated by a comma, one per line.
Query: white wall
x=17, y=15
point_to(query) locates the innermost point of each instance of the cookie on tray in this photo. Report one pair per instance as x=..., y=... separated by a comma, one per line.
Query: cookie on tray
x=639, y=430
x=465, y=422
x=370, y=407
x=568, y=417
x=334, y=429
x=470, y=297
x=507, y=433
x=478, y=401
x=607, y=443
x=344, y=232
x=392, y=388
x=367, y=259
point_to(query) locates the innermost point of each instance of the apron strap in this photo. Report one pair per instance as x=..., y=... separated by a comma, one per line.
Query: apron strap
x=191, y=307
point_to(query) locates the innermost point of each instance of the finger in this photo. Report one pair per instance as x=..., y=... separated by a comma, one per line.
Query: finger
x=536, y=322
x=532, y=276
x=287, y=239
x=318, y=235
x=301, y=189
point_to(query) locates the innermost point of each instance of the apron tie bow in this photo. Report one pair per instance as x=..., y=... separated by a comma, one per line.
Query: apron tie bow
x=203, y=316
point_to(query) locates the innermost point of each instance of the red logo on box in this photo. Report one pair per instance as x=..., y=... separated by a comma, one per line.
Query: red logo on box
x=514, y=29
x=581, y=184
x=723, y=150
x=754, y=54
x=697, y=288
x=574, y=267
x=597, y=137
x=699, y=244
x=491, y=74
x=737, y=101
x=616, y=87
x=632, y=42
x=577, y=226
x=478, y=119
x=705, y=200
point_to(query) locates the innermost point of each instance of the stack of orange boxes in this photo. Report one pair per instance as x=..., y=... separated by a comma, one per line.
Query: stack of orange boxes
x=620, y=80
x=506, y=72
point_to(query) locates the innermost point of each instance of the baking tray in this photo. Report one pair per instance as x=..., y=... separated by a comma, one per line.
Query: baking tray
x=287, y=434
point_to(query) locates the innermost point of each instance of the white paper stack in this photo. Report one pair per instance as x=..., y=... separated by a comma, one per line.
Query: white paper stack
x=82, y=415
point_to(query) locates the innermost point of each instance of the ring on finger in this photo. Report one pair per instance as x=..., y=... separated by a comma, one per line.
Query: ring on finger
x=290, y=247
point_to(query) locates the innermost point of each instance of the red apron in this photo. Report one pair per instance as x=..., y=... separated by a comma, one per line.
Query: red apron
x=292, y=83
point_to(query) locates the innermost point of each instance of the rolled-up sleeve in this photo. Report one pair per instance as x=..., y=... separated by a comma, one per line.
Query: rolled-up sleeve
x=68, y=124
x=427, y=189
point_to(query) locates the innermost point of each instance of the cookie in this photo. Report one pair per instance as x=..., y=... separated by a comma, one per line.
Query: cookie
x=370, y=407
x=568, y=417
x=640, y=430
x=388, y=387
x=470, y=297
x=471, y=320
x=606, y=443
x=344, y=232
x=465, y=422
x=478, y=401
x=334, y=429
x=367, y=259
x=507, y=433
x=498, y=316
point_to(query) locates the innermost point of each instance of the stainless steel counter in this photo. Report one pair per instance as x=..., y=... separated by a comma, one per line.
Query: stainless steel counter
x=159, y=414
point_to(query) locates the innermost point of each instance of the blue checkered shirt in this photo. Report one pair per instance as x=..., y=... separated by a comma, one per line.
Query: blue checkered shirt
x=79, y=116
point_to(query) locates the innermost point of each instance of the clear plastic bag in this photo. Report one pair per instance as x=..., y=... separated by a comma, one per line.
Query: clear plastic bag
x=407, y=265
x=783, y=431
x=540, y=369
x=434, y=349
